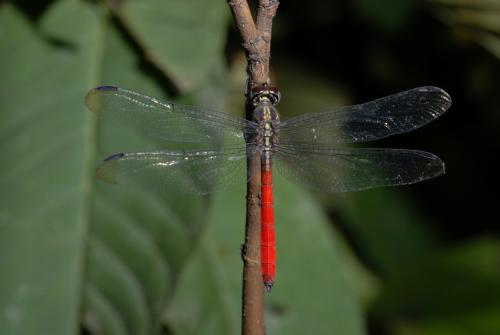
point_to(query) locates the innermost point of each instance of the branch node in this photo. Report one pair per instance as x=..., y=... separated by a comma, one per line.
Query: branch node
x=249, y=260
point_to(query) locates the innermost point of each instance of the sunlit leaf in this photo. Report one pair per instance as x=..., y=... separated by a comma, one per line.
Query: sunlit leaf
x=490, y=42
x=120, y=287
x=478, y=4
x=185, y=39
x=45, y=170
x=104, y=319
x=148, y=234
x=479, y=19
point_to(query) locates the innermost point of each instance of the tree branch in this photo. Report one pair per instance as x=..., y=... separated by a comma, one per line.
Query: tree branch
x=256, y=38
x=257, y=44
x=243, y=18
x=253, y=287
x=265, y=14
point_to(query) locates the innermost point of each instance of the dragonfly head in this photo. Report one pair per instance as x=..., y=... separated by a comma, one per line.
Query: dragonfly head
x=265, y=94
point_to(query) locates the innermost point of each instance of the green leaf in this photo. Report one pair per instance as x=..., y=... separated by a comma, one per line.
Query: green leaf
x=120, y=287
x=45, y=175
x=52, y=143
x=453, y=292
x=145, y=237
x=133, y=243
x=311, y=293
x=185, y=39
x=484, y=322
x=476, y=18
x=104, y=319
x=388, y=228
x=150, y=234
x=460, y=281
x=491, y=43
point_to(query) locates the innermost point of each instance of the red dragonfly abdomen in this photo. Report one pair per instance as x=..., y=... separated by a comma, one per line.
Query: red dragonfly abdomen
x=267, y=236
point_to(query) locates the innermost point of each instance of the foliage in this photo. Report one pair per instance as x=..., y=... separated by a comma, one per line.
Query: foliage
x=80, y=255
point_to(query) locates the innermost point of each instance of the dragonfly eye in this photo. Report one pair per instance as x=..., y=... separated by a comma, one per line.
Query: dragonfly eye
x=265, y=93
x=274, y=95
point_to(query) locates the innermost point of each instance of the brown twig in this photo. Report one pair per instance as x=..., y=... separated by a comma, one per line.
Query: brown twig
x=256, y=38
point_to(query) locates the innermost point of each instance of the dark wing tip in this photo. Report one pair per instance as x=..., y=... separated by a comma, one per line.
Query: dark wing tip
x=434, y=167
x=93, y=99
x=106, y=88
x=440, y=94
x=437, y=167
x=113, y=157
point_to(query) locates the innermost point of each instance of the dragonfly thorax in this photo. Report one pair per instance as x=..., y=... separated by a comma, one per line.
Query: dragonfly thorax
x=264, y=113
x=264, y=99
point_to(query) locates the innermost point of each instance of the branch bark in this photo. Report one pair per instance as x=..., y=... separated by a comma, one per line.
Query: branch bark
x=256, y=36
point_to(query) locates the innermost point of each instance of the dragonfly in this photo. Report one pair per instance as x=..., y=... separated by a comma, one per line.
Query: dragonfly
x=211, y=148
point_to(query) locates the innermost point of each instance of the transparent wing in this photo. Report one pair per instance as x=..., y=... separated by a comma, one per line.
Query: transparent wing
x=343, y=170
x=197, y=172
x=395, y=114
x=168, y=121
